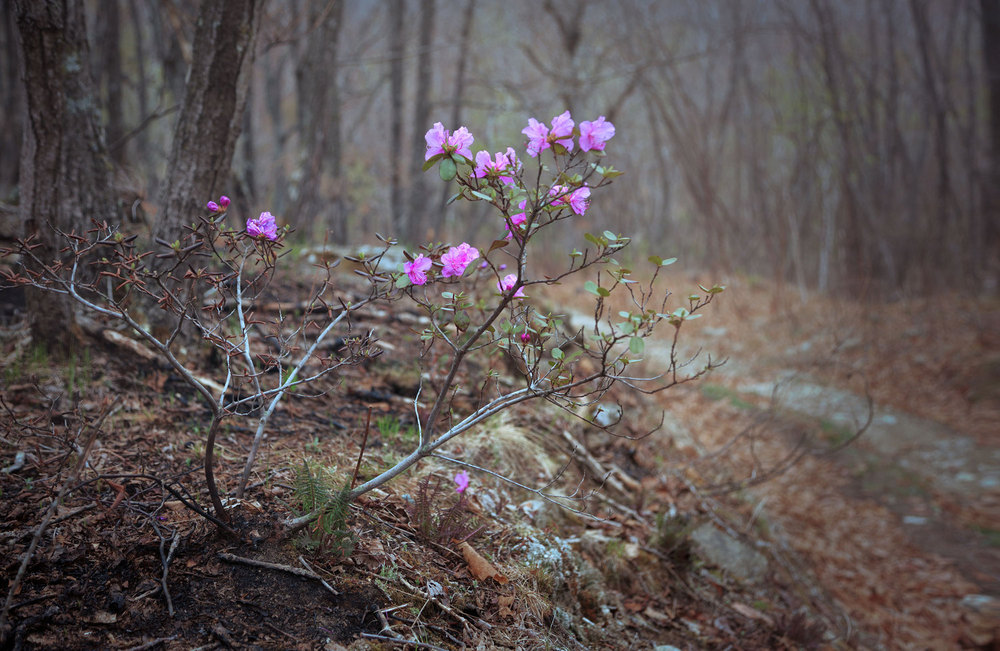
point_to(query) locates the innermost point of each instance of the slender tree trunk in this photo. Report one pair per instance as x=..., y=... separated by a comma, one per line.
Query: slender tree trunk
x=212, y=114
x=64, y=168
x=991, y=201
x=468, y=20
x=400, y=223
x=110, y=73
x=419, y=212
x=10, y=104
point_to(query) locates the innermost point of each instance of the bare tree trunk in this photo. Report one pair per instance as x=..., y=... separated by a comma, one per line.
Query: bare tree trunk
x=110, y=73
x=468, y=19
x=210, y=119
x=64, y=167
x=991, y=201
x=421, y=116
x=400, y=223
x=10, y=101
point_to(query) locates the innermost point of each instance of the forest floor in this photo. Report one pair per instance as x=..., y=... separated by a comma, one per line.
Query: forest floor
x=754, y=518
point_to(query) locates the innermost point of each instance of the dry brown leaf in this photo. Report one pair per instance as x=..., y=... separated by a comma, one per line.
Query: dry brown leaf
x=481, y=568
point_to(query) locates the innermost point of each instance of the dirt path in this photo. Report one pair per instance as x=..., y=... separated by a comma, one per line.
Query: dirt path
x=892, y=525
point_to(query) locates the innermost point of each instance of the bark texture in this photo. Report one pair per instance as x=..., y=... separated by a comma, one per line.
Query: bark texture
x=212, y=114
x=65, y=171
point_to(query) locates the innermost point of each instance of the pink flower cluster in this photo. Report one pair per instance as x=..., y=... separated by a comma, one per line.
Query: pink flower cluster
x=220, y=206
x=593, y=135
x=577, y=200
x=453, y=263
x=441, y=141
x=264, y=226
x=501, y=167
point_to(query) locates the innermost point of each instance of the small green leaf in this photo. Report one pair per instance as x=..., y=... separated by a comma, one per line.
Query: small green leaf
x=592, y=239
x=448, y=170
x=592, y=287
x=402, y=281
x=611, y=237
x=557, y=353
x=453, y=198
x=484, y=197
x=603, y=292
x=431, y=162
x=655, y=259
x=668, y=261
x=636, y=345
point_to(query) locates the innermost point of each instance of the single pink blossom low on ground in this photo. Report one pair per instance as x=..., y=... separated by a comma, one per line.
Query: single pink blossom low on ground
x=457, y=258
x=417, y=270
x=263, y=226
x=507, y=283
x=462, y=481
x=440, y=141
x=594, y=134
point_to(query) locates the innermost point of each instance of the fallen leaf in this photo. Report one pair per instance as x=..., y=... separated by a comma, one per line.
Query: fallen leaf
x=479, y=566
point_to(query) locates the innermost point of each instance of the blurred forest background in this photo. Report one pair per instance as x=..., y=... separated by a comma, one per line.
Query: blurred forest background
x=849, y=147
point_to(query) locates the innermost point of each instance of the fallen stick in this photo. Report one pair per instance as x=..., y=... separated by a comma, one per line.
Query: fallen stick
x=232, y=558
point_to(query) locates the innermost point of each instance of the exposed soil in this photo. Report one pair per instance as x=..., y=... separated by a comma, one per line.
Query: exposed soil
x=849, y=560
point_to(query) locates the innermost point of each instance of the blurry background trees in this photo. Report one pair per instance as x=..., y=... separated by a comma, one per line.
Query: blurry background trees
x=842, y=146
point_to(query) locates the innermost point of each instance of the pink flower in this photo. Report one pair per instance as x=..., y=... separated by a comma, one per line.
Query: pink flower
x=457, y=259
x=441, y=141
x=541, y=138
x=417, y=270
x=518, y=220
x=507, y=283
x=594, y=134
x=263, y=226
x=462, y=479
x=538, y=137
x=212, y=206
x=486, y=166
x=224, y=202
x=562, y=131
x=578, y=200
x=525, y=337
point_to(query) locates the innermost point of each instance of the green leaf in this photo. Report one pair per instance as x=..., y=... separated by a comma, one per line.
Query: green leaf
x=668, y=261
x=484, y=197
x=402, y=281
x=655, y=259
x=557, y=353
x=611, y=237
x=453, y=198
x=603, y=292
x=592, y=239
x=497, y=244
x=431, y=162
x=448, y=170
x=636, y=345
x=592, y=287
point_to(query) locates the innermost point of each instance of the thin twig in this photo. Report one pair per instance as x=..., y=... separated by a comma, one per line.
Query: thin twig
x=309, y=574
x=364, y=443
x=152, y=643
x=166, y=568
x=403, y=641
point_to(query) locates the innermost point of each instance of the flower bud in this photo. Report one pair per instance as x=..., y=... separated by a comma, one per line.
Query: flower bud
x=224, y=202
x=212, y=206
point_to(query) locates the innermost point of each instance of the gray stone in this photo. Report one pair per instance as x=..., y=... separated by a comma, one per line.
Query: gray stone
x=733, y=556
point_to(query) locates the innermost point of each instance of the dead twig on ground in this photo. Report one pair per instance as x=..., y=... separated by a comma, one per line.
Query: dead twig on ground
x=309, y=574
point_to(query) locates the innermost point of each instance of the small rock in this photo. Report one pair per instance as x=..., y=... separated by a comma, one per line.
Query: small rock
x=734, y=556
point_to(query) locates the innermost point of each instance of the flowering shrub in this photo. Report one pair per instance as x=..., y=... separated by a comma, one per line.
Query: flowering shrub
x=467, y=318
